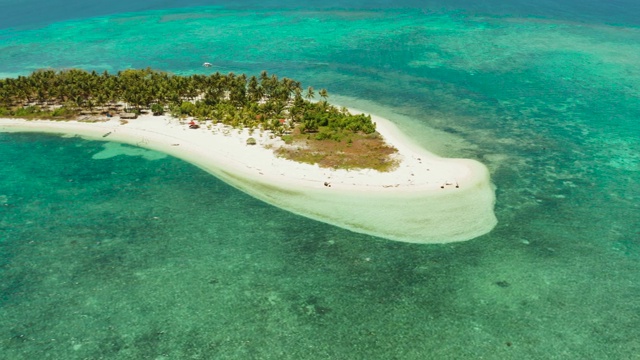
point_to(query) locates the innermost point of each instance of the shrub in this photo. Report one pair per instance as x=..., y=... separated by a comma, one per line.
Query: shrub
x=323, y=135
x=157, y=109
x=5, y=112
x=187, y=108
x=288, y=139
x=62, y=112
x=26, y=111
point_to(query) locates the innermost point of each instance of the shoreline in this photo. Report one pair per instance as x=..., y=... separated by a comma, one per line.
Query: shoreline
x=426, y=199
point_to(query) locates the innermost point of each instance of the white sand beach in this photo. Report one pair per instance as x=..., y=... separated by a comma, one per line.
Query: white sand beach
x=427, y=199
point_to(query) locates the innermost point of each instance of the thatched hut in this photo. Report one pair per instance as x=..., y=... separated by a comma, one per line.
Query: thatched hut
x=128, y=116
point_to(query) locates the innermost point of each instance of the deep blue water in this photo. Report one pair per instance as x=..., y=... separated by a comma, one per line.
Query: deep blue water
x=29, y=13
x=128, y=258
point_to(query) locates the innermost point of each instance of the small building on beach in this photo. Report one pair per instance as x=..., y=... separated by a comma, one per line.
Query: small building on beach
x=128, y=116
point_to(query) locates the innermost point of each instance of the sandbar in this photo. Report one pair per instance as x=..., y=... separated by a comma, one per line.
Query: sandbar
x=426, y=199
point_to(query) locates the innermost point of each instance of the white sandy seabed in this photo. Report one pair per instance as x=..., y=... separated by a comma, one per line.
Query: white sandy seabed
x=427, y=199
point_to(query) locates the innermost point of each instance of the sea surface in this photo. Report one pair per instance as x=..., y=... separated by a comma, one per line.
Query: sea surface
x=143, y=256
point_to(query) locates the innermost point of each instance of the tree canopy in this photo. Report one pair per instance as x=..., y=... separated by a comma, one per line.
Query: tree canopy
x=264, y=101
x=314, y=132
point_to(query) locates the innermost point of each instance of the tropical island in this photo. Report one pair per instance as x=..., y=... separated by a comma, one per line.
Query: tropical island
x=264, y=136
x=317, y=132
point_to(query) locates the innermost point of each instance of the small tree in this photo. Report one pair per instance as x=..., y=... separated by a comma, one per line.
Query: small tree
x=157, y=109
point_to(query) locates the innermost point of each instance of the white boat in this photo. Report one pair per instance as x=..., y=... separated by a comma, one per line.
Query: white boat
x=206, y=64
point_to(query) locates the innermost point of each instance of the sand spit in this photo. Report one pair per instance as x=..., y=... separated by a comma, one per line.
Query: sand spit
x=427, y=199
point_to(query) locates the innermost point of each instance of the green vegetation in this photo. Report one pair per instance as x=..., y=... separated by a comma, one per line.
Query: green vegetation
x=264, y=102
x=357, y=151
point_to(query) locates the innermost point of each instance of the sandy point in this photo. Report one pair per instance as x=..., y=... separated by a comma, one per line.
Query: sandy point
x=426, y=199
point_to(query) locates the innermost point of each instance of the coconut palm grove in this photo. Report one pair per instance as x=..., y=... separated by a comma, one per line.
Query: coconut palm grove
x=235, y=100
x=316, y=132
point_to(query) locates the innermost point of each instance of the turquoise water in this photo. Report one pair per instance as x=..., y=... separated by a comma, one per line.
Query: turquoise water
x=130, y=258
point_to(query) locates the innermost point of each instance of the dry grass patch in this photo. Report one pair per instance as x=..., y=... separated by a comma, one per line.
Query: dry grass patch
x=351, y=151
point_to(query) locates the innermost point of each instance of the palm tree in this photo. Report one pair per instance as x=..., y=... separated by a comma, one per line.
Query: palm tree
x=310, y=93
x=254, y=90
